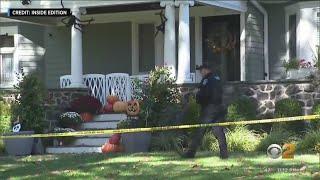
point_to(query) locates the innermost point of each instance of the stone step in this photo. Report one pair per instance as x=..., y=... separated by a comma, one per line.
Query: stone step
x=89, y=141
x=73, y=150
x=94, y=125
x=110, y=117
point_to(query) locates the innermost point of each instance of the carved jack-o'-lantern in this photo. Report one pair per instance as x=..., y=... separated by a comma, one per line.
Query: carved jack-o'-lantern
x=133, y=108
x=120, y=106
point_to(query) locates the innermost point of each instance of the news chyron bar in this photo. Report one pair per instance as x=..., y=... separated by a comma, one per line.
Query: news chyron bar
x=39, y=12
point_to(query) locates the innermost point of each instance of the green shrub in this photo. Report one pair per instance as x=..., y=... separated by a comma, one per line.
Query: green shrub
x=315, y=124
x=289, y=108
x=275, y=137
x=5, y=115
x=241, y=109
x=239, y=139
x=160, y=98
x=29, y=106
x=193, y=112
x=309, y=141
x=167, y=141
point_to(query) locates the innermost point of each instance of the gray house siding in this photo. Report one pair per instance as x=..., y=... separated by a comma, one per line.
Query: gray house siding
x=107, y=48
x=254, y=44
x=57, y=56
x=31, y=48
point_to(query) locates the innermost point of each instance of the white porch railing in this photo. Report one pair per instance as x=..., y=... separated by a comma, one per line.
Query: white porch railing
x=100, y=85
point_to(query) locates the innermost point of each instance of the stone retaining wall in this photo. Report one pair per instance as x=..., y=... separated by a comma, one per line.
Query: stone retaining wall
x=265, y=93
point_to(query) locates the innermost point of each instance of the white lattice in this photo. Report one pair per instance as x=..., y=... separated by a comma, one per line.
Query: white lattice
x=65, y=81
x=133, y=85
x=97, y=86
x=118, y=84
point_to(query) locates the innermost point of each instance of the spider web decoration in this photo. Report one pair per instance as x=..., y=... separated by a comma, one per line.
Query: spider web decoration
x=218, y=46
x=161, y=27
x=25, y=2
x=72, y=20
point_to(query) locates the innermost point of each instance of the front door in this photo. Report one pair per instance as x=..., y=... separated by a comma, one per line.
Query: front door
x=221, y=45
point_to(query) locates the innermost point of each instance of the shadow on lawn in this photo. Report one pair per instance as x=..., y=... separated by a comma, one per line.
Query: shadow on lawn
x=131, y=166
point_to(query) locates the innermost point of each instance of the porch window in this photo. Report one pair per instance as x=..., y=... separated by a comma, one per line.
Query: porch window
x=146, y=48
x=6, y=60
x=292, y=36
x=6, y=68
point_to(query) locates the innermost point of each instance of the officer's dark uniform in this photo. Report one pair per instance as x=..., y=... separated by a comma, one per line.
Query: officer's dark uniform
x=209, y=97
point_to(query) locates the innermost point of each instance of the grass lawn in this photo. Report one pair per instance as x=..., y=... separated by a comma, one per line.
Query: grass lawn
x=158, y=166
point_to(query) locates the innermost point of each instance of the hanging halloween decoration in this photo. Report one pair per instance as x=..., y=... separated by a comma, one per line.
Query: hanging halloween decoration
x=133, y=108
x=221, y=45
x=161, y=27
x=26, y=2
x=75, y=22
x=72, y=20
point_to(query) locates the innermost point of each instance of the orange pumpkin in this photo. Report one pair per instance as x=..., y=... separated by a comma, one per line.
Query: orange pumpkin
x=109, y=148
x=86, y=117
x=133, y=108
x=120, y=107
x=112, y=99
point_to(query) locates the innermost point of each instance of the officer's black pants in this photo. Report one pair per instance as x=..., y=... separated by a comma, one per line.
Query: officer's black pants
x=210, y=114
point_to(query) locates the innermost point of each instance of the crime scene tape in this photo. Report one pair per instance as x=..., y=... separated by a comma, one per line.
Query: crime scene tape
x=164, y=128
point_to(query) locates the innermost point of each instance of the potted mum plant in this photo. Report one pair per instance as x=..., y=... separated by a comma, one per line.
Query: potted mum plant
x=70, y=120
x=86, y=106
x=28, y=114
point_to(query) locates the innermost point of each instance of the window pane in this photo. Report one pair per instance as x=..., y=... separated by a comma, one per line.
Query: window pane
x=146, y=47
x=6, y=68
x=6, y=41
x=292, y=36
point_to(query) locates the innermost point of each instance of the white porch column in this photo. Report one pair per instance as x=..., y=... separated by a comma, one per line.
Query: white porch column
x=76, y=54
x=170, y=37
x=184, y=42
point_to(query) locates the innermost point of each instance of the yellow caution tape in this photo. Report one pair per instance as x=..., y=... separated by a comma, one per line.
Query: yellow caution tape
x=164, y=128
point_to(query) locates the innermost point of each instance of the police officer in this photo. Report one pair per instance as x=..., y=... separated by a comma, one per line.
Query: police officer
x=209, y=97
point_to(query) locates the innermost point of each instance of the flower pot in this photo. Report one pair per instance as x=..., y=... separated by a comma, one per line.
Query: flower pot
x=19, y=146
x=86, y=117
x=301, y=73
x=136, y=142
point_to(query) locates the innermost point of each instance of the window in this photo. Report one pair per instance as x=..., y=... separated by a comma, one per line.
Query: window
x=6, y=60
x=6, y=41
x=6, y=68
x=292, y=36
x=146, y=47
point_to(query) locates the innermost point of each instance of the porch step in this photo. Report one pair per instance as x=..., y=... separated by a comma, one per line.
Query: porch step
x=110, y=117
x=73, y=150
x=95, y=125
x=89, y=141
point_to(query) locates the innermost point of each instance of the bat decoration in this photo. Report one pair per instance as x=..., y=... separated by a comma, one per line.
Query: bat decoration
x=26, y=2
x=72, y=20
x=161, y=27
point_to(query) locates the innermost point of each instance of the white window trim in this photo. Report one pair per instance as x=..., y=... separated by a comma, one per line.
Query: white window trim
x=296, y=9
x=15, y=51
x=135, y=47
